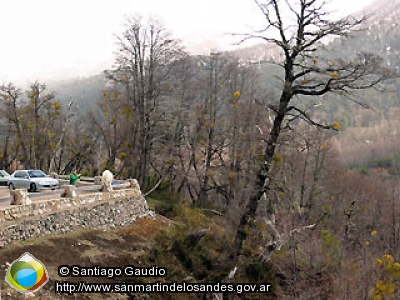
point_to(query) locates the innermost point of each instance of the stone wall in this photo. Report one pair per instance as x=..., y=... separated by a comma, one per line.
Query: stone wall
x=58, y=216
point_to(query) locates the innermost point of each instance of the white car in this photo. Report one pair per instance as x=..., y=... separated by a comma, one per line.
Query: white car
x=32, y=180
x=4, y=177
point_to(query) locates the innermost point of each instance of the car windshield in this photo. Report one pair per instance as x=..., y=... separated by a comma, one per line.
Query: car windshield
x=36, y=173
x=4, y=173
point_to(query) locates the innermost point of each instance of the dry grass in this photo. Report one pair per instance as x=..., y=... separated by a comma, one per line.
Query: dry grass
x=113, y=248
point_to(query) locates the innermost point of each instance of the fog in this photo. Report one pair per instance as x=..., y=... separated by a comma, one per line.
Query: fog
x=47, y=39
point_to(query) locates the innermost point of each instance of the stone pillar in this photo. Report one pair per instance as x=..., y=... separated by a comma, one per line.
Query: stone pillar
x=97, y=180
x=20, y=197
x=134, y=184
x=69, y=191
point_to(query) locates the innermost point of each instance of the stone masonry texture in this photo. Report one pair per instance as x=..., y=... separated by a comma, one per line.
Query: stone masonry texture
x=59, y=216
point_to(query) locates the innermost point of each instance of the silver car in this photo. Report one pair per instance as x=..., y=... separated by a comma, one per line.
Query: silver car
x=32, y=180
x=4, y=177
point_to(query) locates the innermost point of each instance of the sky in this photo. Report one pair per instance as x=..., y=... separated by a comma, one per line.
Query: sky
x=55, y=39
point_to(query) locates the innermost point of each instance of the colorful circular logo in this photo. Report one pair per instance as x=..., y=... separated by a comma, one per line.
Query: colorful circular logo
x=27, y=274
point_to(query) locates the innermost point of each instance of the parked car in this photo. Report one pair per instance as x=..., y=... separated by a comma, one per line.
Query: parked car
x=33, y=180
x=4, y=177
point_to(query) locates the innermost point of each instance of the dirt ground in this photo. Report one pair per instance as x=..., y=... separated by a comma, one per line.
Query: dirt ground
x=114, y=248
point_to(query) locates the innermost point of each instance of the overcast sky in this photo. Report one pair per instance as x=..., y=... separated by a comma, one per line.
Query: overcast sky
x=42, y=39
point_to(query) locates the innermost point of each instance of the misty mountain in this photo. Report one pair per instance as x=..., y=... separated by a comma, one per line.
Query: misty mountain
x=85, y=92
x=379, y=34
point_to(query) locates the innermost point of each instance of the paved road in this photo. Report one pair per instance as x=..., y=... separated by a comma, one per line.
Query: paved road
x=6, y=198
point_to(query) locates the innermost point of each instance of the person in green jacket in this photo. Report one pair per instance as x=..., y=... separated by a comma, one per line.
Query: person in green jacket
x=73, y=177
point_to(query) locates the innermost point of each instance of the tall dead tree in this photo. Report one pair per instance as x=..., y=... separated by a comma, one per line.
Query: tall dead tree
x=211, y=108
x=58, y=148
x=307, y=72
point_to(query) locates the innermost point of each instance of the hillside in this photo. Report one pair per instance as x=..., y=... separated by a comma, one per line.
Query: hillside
x=84, y=91
x=160, y=242
x=379, y=34
x=85, y=248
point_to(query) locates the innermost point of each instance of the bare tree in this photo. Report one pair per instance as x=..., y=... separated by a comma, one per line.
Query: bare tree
x=56, y=155
x=39, y=97
x=306, y=73
x=143, y=66
x=11, y=98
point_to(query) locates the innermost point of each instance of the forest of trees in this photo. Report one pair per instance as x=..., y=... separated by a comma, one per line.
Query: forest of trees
x=223, y=138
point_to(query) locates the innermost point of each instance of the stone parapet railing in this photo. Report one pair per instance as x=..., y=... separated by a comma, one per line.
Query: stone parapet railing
x=58, y=216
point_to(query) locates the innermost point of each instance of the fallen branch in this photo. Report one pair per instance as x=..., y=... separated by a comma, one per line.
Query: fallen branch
x=279, y=240
x=158, y=183
x=154, y=187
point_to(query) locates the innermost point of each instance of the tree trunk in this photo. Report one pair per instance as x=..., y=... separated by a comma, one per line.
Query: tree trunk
x=262, y=183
